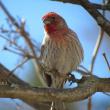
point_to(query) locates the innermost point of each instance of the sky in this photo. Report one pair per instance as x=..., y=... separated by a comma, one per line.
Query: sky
x=32, y=11
x=77, y=19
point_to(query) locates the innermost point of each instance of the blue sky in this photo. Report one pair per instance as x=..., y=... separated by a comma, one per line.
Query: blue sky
x=76, y=17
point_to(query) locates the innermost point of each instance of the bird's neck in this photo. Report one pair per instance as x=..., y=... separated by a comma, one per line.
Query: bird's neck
x=56, y=35
x=52, y=28
x=49, y=28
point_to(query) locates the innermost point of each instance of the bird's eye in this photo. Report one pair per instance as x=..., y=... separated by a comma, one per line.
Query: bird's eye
x=53, y=18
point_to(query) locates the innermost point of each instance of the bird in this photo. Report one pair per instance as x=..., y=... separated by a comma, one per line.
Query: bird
x=61, y=50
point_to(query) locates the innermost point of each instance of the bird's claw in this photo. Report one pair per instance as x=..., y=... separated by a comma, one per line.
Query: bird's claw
x=71, y=78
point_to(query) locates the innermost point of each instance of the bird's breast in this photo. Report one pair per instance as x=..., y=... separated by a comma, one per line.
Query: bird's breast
x=62, y=52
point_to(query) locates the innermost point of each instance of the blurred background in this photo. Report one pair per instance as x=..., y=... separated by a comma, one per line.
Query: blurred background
x=79, y=20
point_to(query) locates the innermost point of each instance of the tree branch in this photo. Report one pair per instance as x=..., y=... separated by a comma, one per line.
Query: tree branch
x=106, y=60
x=21, y=30
x=98, y=6
x=7, y=79
x=86, y=87
x=13, y=87
x=96, y=49
x=92, y=10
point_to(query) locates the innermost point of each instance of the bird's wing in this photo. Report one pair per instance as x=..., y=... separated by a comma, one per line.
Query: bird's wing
x=77, y=43
x=43, y=46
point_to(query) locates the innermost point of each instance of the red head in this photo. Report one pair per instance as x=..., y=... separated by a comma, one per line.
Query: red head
x=53, y=22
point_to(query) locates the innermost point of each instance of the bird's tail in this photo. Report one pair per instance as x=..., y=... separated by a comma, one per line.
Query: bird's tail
x=57, y=105
x=54, y=80
x=58, y=82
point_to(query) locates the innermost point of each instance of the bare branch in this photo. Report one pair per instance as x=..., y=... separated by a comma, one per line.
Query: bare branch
x=14, y=43
x=96, y=49
x=101, y=6
x=21, y=30
x=12, y=79
x=105, y=57
x=6, y=31
x=94, y=56
x=20, y=65
x=86, y=87
x=98, y=6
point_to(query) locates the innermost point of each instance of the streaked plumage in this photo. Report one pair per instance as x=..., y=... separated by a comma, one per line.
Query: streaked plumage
x=61, y=51
x=63, y=55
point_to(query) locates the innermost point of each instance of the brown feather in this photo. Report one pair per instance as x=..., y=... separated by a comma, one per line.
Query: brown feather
x=62, y=51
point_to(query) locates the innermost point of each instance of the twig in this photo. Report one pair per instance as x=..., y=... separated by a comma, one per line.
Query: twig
x=81, y=66
x=94, y=55
x=21, y=31
x=97, y=46
x=20, y=51
x=14, y=43
x=101, y=20
x=7, y=31
x=19, y=65
x=84, y=73
x=98, y=6
x=108, y=94
x=88, y=87
x=102, y=6
x=106, y=60
x=25, y=55
x=27, y=39
x=12, y=51
x=96, y=49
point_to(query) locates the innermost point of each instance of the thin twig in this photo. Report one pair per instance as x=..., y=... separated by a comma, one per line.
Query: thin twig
x=84, y=68
x=7, y=31
x=84, y=73
x=21, y=30
x=94, y=55
x=13, y=51
x=97, y=6
x=96, y=49
x=106, y=60
x=108, y=94
x=13, y=42
x=20, y=65
x=17, y=49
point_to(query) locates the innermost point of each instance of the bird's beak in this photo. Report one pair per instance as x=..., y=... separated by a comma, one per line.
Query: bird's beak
x=46, y=21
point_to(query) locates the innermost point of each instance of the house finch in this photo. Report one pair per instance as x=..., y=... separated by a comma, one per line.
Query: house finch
x=61, y=49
